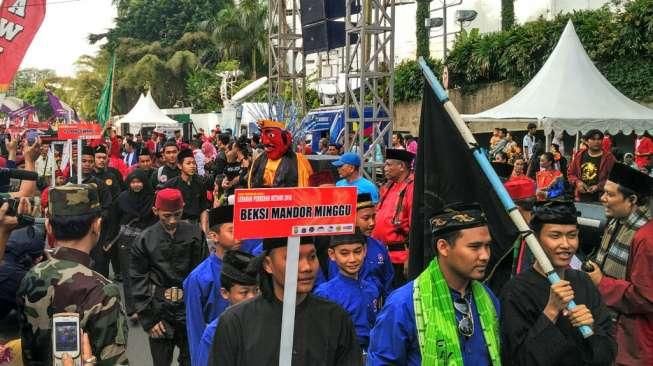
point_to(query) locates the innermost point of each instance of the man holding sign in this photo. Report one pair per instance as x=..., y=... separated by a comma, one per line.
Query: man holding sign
x=324, y=333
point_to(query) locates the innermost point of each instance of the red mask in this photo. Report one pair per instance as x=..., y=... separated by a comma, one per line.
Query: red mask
x=276, y=142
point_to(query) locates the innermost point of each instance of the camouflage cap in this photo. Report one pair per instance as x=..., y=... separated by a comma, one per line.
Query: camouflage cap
x=73, y=200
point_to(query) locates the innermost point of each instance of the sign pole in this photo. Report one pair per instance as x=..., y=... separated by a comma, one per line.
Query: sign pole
x=79, y=161
x=289, y=301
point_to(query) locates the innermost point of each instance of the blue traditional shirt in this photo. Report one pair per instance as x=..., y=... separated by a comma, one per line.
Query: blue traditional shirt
x=393, y=340
x=252, y=246
x=204, y=302
x=360, y=298
x=376, y=267
x=204, y=348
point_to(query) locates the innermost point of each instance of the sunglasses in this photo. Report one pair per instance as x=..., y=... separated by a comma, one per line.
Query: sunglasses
x=466, y=323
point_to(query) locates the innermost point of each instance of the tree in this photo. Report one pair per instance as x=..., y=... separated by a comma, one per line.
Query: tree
x=507, y=14
x=421, y=31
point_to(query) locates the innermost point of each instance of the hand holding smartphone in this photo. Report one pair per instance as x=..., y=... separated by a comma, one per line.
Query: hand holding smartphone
x=65, y=338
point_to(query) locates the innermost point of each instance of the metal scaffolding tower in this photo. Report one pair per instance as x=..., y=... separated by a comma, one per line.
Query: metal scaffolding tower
x=369, y=65
x=286, y=58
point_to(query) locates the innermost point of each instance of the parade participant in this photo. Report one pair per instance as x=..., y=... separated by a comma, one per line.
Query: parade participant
x=333, y=149
x=193, y=188
x=461, y=326
x=133, y=212
x=349, y=170
x=278, y=166
x=394, y=210
x=519, y=169
x=522, y=191
x=550, y=182
x=110, y=176
x=65, y=283
x=113, y=181
x=589, y=169
x=99, y=255
x=238, y=281
x=145, y=163
x=376, y=266
x=161, y=258
x=358, y=296
x=44, y=164
x=536, y=327
x=169, y=169
x=625, y=261
x=202, y=286
x=248, y=334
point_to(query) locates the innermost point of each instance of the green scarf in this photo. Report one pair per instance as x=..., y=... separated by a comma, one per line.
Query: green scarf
x=437, y=329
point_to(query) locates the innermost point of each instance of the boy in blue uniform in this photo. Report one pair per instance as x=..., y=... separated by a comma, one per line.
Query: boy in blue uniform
x=358, y=296
x=239, y=283
x=445, y=316
x=376, y=266
x=202, y=286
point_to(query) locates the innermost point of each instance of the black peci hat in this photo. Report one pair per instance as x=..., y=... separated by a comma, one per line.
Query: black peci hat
x=632, y=179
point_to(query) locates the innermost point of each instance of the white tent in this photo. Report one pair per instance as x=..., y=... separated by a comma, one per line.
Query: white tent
x=570, y=94
x=146, y=111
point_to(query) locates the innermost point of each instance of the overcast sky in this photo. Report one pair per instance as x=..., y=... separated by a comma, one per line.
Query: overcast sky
x=63, y=36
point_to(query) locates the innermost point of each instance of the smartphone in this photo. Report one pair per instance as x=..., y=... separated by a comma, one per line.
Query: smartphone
x=65, y=337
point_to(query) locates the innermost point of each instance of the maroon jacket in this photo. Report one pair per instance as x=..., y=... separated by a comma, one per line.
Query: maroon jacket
x=573, y=172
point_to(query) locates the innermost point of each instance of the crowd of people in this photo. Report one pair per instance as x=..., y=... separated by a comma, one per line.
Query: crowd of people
x=147, y=238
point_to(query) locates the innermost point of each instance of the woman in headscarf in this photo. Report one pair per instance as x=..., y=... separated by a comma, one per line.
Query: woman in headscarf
x=134, y=212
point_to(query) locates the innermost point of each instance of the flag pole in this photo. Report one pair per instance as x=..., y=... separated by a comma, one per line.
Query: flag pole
x=113, y=77
x=492, y=176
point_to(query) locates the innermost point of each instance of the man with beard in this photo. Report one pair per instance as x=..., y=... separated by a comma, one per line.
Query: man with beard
x=623, y=274
x=193, y=188
x=589, y=169
x=162, y=257
x=248, y=334
x=99, y=255
x=445, y=316
x=278, y=166
x=133, y=212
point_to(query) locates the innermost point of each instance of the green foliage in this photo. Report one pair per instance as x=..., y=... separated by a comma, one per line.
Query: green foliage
x=507, y=14
x=35, y=95
x=619, y=39
x=409, y=81
x=421, y=32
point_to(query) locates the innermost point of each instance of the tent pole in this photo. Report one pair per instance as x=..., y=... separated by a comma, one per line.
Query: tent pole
x=547, y=141
x=577, y=141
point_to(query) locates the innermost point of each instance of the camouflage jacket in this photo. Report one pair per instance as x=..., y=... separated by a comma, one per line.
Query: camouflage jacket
x=66, y=284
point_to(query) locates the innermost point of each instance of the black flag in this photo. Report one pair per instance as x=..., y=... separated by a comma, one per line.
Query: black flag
x=446, y=172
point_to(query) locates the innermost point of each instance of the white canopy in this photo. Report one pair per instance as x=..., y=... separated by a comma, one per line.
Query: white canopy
x=146, y=111
x=570, y=94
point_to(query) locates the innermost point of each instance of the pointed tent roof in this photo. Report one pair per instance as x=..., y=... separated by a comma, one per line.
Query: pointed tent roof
x=146, y=111
x=569, y=93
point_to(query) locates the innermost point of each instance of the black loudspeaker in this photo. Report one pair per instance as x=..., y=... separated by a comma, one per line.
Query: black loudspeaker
x=324, y=36
x=313, y=11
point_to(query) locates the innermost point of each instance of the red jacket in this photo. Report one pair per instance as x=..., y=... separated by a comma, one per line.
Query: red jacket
x=632, y=299
x=573, y=172
x=392, y=227
x=644, y=146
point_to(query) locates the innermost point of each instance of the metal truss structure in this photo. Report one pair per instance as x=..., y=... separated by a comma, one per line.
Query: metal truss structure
x=368, y=68
x=286, y=59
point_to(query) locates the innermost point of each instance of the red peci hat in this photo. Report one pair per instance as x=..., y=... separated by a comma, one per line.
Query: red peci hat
x=169, y=199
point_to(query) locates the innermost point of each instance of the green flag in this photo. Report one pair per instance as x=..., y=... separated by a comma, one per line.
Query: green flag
x=103, y=110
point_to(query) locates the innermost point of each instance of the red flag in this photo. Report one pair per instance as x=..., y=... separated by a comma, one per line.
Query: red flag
x=19, y=22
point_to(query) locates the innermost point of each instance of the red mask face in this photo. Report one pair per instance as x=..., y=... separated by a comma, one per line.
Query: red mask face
x=276, y=142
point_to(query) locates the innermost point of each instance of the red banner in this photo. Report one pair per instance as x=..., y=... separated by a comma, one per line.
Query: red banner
x=284, y=212
x=84, y=131
x=19, y=22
